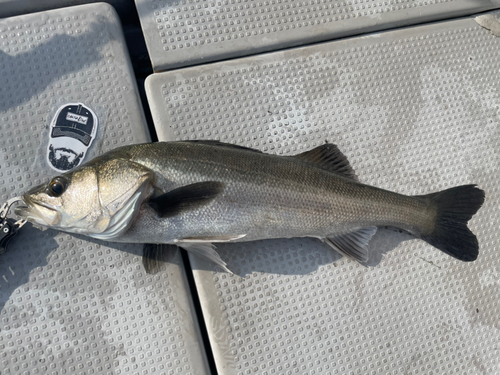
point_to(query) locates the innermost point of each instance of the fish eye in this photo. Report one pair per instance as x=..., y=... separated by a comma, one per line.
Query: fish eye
x=57, y=186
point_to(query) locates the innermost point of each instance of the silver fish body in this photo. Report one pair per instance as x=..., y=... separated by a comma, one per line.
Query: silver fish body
x=196, y=193
x=265, y=196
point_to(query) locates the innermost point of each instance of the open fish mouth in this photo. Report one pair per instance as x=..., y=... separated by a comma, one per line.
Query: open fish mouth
x=36, y=211
x=22, y=211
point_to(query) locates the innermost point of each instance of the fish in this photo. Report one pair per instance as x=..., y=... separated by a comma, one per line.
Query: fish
x=194, y=194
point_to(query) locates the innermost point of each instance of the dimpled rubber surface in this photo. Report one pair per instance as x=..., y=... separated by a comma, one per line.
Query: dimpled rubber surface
x=415, y=110
x=186, y=32
x=68, y=305
x=9, y=8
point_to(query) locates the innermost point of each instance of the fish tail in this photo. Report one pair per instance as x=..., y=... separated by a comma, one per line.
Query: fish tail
x=454, y=208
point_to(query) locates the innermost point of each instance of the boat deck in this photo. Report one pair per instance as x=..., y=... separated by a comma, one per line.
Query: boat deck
x=410, y=93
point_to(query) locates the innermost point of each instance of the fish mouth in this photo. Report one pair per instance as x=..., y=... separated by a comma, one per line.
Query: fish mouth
x=36, y=211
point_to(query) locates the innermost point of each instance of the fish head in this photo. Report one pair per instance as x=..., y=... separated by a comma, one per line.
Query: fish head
x=98, y=199
x=68, y=202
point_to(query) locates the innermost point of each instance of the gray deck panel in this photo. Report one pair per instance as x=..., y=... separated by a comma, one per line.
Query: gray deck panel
x=10, y=8
x=189, y=32
x=69, y=305
x=415, y=110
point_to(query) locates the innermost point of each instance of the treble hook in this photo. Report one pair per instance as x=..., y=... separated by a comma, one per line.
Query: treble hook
x=8, y=226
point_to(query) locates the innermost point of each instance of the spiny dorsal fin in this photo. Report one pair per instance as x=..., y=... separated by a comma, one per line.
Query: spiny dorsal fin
x=186, y=198
x=222, y=144
x=329, y=157
x=353, y=244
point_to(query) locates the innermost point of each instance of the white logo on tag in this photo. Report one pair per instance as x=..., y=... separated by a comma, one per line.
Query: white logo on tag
x=80, y=119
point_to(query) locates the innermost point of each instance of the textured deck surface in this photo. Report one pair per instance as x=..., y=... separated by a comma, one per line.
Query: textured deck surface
x=415, y=110
x=68, y=305
x=10, y=8
x=188, y=32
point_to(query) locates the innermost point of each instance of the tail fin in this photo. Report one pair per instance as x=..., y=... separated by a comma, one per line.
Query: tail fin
x=455, y=207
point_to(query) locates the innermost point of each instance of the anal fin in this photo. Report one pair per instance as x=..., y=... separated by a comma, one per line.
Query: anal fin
x=353, y=244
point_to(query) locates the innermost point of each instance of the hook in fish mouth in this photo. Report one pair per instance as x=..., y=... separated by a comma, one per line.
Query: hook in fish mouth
x=32, y=210
x=5, y=208
x=23, y=211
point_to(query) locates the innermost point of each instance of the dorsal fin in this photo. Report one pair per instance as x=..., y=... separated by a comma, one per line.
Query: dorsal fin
x=210, y=142
x=329, y=157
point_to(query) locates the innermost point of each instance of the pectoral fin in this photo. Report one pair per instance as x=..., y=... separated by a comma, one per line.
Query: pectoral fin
x=186, y=198
x=206, y=251
x=353, y=244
